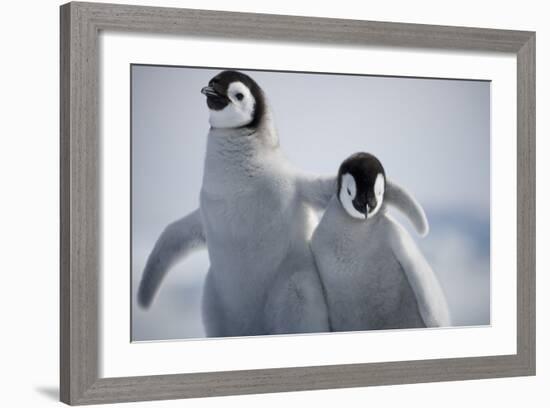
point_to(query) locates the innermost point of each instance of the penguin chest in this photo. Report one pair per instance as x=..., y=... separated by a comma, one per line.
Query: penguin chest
x=247, y=211
x=248, y=231
x=365, y=285
x=372, y=292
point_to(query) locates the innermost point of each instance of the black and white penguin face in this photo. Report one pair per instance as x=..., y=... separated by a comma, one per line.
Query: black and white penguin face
x=234, y=99
x=361, y=185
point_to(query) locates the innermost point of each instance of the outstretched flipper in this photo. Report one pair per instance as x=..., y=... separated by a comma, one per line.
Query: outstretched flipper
x=402, y=200
x=432, y=304
x=317, y=190
x=177, y=240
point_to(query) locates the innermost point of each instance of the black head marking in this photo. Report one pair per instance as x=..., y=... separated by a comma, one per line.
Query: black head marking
x=217, y=98
x=364, y=168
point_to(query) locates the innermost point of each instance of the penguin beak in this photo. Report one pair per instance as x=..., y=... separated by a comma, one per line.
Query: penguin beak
x=209, y=91
x=372, y=211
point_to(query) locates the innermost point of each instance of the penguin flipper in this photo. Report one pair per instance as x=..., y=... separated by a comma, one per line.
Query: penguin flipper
x=317, y=190
x=402, y=200
x=177, y=240
x=432, y=303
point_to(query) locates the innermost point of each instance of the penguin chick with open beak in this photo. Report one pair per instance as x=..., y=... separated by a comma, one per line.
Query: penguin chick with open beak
x=234, y=100
x=256, y=218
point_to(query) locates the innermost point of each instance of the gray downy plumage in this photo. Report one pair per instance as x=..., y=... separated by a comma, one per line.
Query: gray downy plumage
x=256, y=218
x=373, y=273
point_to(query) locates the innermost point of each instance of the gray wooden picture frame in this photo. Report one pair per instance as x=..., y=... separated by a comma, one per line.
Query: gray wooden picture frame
x=80, y=159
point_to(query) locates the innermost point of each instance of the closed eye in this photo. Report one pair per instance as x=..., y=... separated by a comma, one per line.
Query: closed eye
x=239, y=96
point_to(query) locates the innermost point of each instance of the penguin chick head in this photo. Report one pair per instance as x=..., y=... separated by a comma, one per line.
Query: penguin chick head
x=361, y=185
x=235, y=100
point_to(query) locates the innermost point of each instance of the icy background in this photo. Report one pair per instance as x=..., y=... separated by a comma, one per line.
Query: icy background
x=433, y=136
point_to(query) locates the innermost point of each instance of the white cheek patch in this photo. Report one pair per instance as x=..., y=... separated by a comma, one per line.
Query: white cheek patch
x=237, y=113
x=348, y=190
x=379, y=187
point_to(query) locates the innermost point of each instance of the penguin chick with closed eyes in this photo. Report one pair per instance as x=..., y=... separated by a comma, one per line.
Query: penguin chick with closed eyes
x=374, y=275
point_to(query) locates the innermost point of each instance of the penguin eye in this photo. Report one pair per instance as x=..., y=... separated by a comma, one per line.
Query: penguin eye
x=239, y=96
x=349, y=192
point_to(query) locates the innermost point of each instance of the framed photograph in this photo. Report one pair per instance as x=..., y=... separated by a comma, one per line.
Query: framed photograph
x=260, y=203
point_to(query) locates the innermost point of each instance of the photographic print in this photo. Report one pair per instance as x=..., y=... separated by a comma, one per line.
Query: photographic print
x=269, y=202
